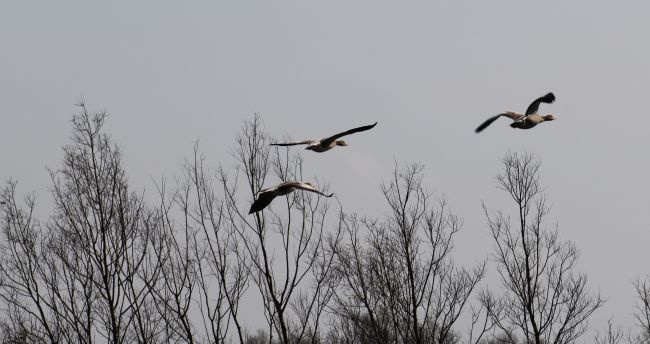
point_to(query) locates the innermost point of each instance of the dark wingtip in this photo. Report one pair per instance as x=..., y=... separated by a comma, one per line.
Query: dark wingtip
x=550, y=97
x=330, y=195
x=484, y=125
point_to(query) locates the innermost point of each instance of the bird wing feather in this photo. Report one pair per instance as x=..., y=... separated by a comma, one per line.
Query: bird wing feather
x=534, y=106
x=264, y=198
x=306, y=142
x=512, y=115
x=308, y=187
x=327, y=141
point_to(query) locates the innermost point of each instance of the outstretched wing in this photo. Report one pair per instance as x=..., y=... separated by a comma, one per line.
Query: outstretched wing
x=263, y=200
x=306, y=142
x=309, y=187
x=534, y=106
x=486, y=123
x=512, y=115
x=326, y=142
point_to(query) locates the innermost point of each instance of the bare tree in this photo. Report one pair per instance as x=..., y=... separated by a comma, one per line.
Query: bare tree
x=613, y=335
x=107, y=268
x=484, y=317
x=27, y=314
x=398, y=282
x=642, y=313
x=174, y=283
x=285, y=246
x=202, y=277
x=77, y=280
x=216, y=250
x=545, y=300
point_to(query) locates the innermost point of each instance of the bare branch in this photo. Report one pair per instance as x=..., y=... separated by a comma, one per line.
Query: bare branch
x=551, y=301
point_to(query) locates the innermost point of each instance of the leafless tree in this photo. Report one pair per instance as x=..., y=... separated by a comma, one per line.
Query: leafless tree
x=174, y=283
x=203, y=277
x=285, y=246
x=26, y=311
x=613, y=335
x=398, y=282
x=544, y=299
x=484, y=317
x=642, y=313
x=77, y=281
x=106, y=267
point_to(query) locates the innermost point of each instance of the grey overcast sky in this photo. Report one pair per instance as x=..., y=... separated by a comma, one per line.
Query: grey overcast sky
x=173, y=72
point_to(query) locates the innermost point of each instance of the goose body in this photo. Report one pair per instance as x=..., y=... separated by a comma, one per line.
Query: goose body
x=265, y=196
x=526, y=121
x=327, y=143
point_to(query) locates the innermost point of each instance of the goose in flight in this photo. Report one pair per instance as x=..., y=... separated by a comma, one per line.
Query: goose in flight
x=328, y=143
x=527, y=121
x=265, y=196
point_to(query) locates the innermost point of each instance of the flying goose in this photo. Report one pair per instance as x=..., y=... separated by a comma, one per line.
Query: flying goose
x=265, y=196
x=527, y=121
x=326, y=144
